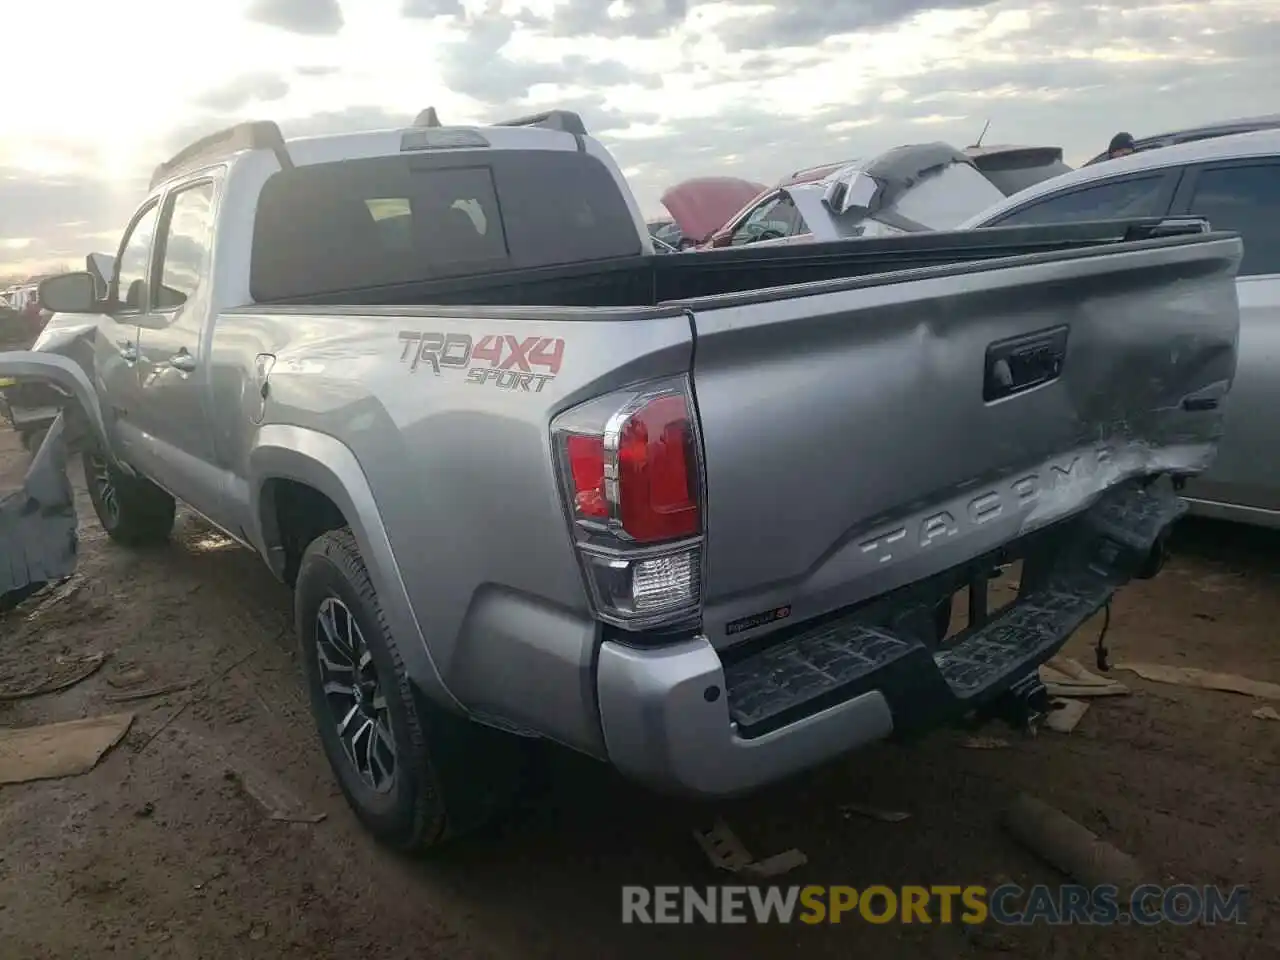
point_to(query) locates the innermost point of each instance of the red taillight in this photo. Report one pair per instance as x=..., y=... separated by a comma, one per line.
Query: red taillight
x=657, y=473
x=631, y=472
x=586, y=465
x=648, y=485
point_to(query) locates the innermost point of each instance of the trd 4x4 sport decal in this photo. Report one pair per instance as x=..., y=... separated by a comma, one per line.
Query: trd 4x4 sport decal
x=500, y=359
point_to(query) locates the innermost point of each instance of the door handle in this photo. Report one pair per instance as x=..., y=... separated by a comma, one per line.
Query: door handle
x=128, y=351
x=183, y=361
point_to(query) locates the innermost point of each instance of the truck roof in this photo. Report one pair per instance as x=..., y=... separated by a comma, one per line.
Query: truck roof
x=538, y=131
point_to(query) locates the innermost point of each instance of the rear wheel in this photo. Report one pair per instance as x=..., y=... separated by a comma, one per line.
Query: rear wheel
x=132, y=510
x=414, y=774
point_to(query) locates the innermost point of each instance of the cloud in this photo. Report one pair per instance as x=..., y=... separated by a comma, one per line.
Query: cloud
x=753, y=24
x=427, y=9
x=639, y=18
x=680, y=88
x=243, y=90
x=476, y=67
x=64, y=218
x=364, y=117
x=807, y=24
x=310, y=17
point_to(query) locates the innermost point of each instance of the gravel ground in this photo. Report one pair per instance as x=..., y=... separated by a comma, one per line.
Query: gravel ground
x=166, y=849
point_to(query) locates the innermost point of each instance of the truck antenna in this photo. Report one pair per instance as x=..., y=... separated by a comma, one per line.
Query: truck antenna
x=986, y=126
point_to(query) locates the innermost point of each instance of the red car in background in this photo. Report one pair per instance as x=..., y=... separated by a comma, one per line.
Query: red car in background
x=1008, y=168
x=701, y=205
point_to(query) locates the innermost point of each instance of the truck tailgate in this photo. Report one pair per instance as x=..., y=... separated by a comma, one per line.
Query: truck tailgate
x=862, y=435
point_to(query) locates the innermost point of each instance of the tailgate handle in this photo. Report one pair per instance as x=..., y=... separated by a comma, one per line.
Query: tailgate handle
x=1021, y=363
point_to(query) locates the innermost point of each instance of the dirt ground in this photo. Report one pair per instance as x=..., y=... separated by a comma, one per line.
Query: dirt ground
x=163, y=850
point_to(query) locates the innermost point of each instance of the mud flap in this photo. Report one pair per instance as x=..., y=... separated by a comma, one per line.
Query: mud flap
x=38, y=543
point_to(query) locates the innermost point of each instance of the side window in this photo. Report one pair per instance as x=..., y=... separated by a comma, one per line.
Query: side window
x=188, y=235
x=1131, y=197
x=750, y=226
x=133, y=266
x=774, y=218
x=788, y=214
x=1245, y=200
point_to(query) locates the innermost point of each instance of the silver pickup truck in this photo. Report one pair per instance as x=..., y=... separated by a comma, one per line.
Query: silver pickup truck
x=698, y=517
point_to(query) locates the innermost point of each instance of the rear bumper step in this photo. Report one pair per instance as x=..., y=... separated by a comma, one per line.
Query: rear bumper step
x=828, y=688
x=1097, y=554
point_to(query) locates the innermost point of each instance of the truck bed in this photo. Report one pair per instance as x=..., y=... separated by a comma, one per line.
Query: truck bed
x=659, y=279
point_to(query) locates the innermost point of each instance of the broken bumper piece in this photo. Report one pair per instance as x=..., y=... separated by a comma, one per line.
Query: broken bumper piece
x=681, y=718
x=38, y=542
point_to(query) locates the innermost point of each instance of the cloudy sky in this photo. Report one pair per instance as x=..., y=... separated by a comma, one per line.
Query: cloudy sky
x=95, y=93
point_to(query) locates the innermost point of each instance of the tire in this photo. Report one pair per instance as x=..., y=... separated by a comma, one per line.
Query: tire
x=423, y=775
x=133, y=511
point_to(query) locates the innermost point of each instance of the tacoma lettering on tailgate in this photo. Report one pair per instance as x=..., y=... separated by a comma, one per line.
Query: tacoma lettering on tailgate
x=920, y=533
x=508, y=362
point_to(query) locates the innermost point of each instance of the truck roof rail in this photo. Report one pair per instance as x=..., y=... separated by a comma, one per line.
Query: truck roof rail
x=427, y=118
x=564, y=120
x=253, y=135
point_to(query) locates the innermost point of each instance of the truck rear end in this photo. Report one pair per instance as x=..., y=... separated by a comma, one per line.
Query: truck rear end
x=703, y=512
x=769, y=540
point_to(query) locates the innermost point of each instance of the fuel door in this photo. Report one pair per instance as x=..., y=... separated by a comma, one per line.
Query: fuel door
x=263, y=364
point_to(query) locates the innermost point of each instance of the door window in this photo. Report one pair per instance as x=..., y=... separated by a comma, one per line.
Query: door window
x=133, y=266
x=1113, y=200
x=188, y=236
x=771, y=220
x=1246, y=200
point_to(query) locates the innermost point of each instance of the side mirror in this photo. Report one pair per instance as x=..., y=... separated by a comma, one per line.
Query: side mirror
x=70, y=293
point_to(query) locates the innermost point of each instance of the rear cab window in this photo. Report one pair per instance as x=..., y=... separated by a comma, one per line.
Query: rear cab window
x=330, y=227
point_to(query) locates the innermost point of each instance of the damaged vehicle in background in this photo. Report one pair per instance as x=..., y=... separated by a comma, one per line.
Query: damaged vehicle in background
x=666, y=236
x=698, y=517
x=1011, y=168
x=699, y=205
x=910, y=189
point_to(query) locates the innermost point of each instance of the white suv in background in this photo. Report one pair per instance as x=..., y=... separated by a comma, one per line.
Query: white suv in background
x=1234, y=183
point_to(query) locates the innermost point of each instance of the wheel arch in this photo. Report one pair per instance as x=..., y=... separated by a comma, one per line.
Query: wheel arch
x=293, y=468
